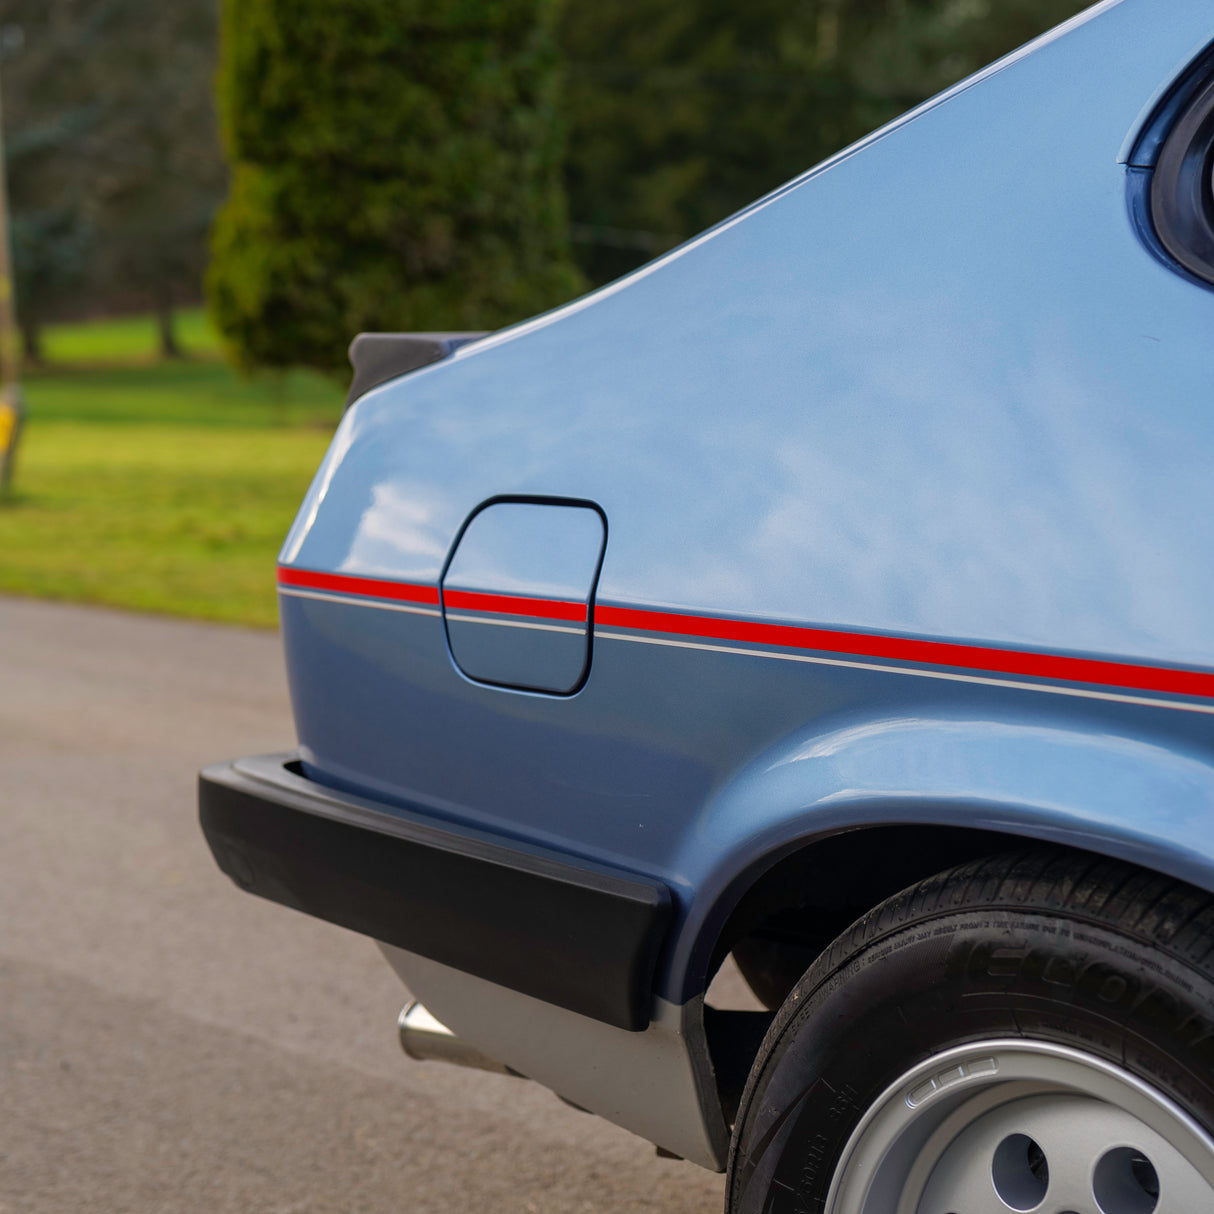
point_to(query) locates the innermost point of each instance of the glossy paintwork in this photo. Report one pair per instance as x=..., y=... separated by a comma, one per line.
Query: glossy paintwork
x=542, y=549
x=523, y=551
x=939, y=388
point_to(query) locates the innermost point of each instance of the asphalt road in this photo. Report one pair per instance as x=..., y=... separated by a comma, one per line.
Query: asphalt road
x=170, y=1044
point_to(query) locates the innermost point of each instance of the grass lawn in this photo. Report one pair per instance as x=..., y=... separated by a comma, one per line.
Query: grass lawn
x=159, y=486
x=127, y=339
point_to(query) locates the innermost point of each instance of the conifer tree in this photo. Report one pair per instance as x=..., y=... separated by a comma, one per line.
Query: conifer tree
x=680, y=113
x=396, y=166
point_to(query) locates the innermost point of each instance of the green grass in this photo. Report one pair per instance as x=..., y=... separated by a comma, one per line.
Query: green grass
x=193, y=393
x=127, y=339
x=159, y=486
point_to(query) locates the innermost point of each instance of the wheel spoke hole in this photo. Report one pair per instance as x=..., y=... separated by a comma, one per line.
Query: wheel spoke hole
x=1125, y=1182
x=1021, y=1173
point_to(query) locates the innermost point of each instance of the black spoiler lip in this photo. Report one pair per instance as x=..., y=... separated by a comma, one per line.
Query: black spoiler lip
x=379, y=357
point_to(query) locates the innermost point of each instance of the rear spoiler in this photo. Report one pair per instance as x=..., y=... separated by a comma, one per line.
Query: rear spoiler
x=379, y=357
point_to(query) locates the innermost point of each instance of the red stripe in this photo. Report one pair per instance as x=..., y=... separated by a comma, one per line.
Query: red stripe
x=853, y=644
x=515, y=604
x=376, y=588
x=408, y=592
x=935, y=653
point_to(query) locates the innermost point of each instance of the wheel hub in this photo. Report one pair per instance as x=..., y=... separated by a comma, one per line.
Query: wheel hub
x=1020, y=1127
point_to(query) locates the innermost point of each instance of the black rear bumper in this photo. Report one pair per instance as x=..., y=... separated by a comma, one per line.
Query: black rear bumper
x=574, y=934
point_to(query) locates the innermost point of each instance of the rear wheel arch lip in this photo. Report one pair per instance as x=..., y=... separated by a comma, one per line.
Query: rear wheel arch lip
x=964, y=843
x=705, y=937
x=1128, y=798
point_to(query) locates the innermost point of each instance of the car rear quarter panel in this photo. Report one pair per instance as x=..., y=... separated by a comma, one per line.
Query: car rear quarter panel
x=936, y=389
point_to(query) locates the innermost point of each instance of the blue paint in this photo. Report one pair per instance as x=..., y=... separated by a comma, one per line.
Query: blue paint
x=941, y=388
x=540, y=549
x=544, y=550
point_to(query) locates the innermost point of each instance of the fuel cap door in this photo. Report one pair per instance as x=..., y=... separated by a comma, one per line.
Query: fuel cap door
x=518, y=591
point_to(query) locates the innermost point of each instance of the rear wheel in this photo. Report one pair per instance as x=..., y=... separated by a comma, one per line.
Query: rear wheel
x=1026, y=1033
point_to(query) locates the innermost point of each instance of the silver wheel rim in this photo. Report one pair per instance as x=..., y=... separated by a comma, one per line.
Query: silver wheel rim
x=1020, y=1127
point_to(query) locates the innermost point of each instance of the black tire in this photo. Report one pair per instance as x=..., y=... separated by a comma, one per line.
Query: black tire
x=1046, y=945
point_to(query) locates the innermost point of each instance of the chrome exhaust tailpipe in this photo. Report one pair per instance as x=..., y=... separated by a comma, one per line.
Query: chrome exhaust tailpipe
x=425, y=1039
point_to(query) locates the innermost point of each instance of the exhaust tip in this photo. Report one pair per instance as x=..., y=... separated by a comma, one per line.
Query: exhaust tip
x=426, y=1039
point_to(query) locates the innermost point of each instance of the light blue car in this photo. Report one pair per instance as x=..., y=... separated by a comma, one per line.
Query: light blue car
x=835, y=592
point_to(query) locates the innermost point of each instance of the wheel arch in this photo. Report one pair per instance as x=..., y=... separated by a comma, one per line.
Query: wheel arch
x=858, y=813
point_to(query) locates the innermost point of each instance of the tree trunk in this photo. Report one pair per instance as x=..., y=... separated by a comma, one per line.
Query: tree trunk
x=31, y=340
x=164, y=323
x=278, y=395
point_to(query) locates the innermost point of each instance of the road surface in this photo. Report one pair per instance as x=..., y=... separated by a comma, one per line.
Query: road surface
x=170, y=1044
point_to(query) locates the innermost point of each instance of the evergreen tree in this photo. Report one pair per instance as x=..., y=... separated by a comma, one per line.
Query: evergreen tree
x=396, y=166
x=679, y=114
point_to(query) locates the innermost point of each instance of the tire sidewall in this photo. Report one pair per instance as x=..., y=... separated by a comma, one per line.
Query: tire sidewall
x=864, y=1016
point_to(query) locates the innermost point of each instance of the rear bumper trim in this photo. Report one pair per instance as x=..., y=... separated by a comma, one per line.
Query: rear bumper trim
x=578, y=935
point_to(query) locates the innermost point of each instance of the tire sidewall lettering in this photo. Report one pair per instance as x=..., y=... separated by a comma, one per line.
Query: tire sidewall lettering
x=927, y=986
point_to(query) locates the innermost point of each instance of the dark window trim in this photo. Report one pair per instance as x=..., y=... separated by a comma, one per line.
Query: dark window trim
x=1175, y=153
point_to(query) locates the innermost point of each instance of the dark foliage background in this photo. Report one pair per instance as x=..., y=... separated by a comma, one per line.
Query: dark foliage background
x=680, y=114
x=113, y=161
x=447, y=164
x=396, y=166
